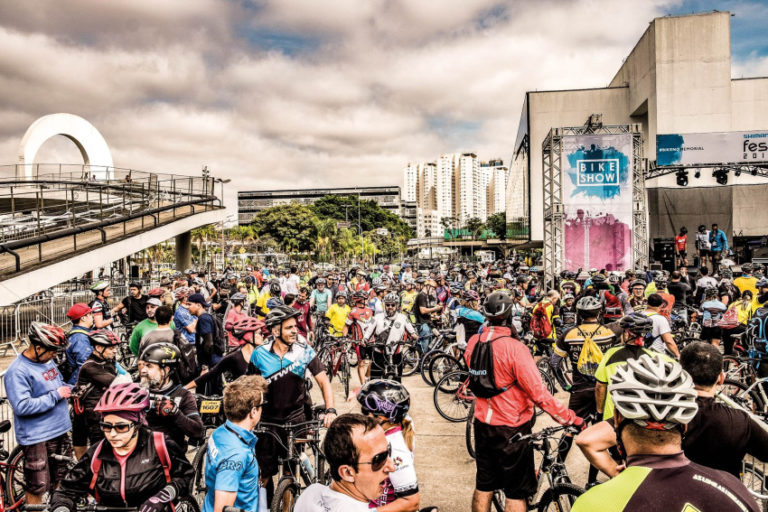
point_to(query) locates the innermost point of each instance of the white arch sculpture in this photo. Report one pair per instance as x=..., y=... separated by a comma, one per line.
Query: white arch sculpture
x=86, y=137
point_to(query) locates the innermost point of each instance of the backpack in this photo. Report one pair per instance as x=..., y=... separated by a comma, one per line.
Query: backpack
x=158, y=439
x=482, y=381
x=730, y=319
x=187, y=365
x=540, y=325
x=590, y=355
x=220, y=340
x=66, y=368
x=757, y=329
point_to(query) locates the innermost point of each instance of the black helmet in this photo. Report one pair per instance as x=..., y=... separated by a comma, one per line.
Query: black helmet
x=162, y=354
x=497, y=306
x=385, y=398
x=279, y=315
x=598, y=278
x=105, y=337
x=710, y=292
x=274, y=287
x=589, y=304
x=637, y=323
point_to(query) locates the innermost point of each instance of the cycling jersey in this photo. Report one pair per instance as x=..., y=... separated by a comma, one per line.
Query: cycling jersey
x=285, y=377
x=745, y=283
x=321, y=299
x=612, y=359
x=100, y=307
x=338, y=317
x=571, y=343
x=230, y=466
x=402, y=481
x=681, y=241
x=667, y=482
x=407, y=300
x=321, y=498
x=394, y=327
x=360, y=323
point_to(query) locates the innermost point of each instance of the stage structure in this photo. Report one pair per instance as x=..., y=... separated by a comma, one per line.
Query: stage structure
x=594, y=198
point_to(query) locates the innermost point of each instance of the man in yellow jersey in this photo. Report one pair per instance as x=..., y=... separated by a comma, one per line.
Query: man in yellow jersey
x=337, y=314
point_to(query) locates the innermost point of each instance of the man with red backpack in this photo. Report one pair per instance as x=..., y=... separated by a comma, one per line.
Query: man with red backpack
x=506, y=381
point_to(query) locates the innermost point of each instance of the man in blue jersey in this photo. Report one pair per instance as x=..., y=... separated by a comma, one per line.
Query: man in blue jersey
x=231, y=469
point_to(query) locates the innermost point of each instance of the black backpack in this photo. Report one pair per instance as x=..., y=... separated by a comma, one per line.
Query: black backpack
x=220, y=340
x=187, y=366
x=481, y=377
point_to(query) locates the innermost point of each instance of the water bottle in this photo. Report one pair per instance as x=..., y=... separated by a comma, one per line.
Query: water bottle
x=307, y=465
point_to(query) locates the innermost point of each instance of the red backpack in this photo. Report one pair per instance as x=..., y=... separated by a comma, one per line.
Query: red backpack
x=540, y=325
x=158, y=438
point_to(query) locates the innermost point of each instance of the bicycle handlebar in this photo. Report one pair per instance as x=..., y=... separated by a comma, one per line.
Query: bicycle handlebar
x=292, y=426
x=544, y=433
x=44, y=507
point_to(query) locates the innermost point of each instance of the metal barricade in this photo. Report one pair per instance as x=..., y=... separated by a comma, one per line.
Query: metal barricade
x=6, y=413
x=9, y=332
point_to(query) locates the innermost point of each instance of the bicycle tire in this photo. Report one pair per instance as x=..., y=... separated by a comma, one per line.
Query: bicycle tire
x=469, y=431
x=549, y=383
x=197, y=488
x=442, y=364
x=449, y=405
x=737, y=391
x=735, y=369
x=187, y=504
x=286, y=487
x=14, y=475
x=424, y=366
x=324, y=357
x=559, y=495
x=352, y=358
x=754, y=480
x=345, y=375
x=410, y=361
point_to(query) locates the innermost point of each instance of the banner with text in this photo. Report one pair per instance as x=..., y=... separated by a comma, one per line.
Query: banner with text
x=597, y=197
x=711, y=148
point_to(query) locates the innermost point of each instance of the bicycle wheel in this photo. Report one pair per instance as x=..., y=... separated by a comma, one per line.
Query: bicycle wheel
x=738, y=369
x=753, y=478
x=344, y=375
x=559, y=498
x=549, y=383
x=454, y=407
x=410, y=361
x=738, y=392
x=424, y=366
x=14, y=477
x=469, y=432
x=197, y=488
x=352, y=358
x=442, y=364
x=324, y=356
x=187, y=504
x=286, y=492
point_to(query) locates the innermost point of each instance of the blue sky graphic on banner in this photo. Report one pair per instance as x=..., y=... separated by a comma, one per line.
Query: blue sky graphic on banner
x=598, y=172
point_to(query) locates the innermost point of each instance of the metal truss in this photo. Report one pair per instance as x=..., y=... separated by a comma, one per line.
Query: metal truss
x=554, y=233
x=758, y=169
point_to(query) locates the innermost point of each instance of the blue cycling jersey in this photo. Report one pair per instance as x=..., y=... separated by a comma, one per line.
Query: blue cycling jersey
x=230, y=465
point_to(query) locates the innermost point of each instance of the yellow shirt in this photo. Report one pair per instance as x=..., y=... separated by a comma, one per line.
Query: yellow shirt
x=261, y=302
x=338, y=317
x=744, y=283
x=744, y=311
x=407, y=300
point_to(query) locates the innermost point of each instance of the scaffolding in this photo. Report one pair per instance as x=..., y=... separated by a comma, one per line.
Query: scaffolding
x=554, y=234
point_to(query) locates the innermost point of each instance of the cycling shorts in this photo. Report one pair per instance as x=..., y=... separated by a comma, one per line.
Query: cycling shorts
x=583, y=402
x=41, y=472
x=683, y=254
x=502, y=464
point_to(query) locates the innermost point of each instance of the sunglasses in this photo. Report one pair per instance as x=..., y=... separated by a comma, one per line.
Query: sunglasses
x=120, y=428
x=262, y=404
x=379, y=460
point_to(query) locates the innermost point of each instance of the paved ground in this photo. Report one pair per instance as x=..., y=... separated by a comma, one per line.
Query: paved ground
x=445, y=470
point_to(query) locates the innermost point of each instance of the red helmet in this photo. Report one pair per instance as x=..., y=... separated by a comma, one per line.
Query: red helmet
x=156, y=292
x=181, y=292
x=470, y=295
x=123, y=397
x=104, y=337
x=51, y=337
x=247, y=324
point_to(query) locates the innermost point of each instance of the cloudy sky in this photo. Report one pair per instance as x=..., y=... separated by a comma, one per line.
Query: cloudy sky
x=307, y=93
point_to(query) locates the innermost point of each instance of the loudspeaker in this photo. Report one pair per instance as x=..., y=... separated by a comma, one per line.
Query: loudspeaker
x=664, y=253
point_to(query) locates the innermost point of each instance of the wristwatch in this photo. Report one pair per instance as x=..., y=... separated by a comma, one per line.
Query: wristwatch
x=331, y=411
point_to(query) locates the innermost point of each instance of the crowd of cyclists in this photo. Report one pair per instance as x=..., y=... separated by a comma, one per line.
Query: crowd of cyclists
x=108, y=411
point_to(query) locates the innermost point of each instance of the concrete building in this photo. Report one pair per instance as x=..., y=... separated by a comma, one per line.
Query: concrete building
x=676, y=80
x=249, y=203
x=409, y=214
x=428, y=223
x=466, y=186
x=446, y=167
x=410, y=182
x=495, y=178
x=427, y=197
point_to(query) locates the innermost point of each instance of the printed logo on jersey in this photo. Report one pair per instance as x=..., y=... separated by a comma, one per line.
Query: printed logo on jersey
x=50, y=374
x=690, y=508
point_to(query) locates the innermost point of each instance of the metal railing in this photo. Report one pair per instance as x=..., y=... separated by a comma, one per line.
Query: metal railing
x=41, y=203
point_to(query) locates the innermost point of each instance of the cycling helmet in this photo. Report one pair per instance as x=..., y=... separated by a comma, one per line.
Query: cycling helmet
x=274, y=302
x=589, y=304
x=568, y=296
x=342, y=294
x=359, y=295
x=197, y=281
x=726, y=273
x=104, y=337
x=391, y=298
x=156, y=292
x=747, y=267
x=637, y=282
x=320, y=280
x=189, y=271
x=381, y=288
x=614, y=279
x=661, y=281
x=274, y=287
x=181, y=293
x=237, y=297
x=129, y=397
x=637, y=323
x=762, y=283
x=470, y=295
x=583, y=276
x=456, y=288
x=385, y=398
x=99, y=286
x=162, y=354
x=710, y=292
x=598, y=278
x=654, y=393
x=497, y=306
x=279, y=315
x=231, y=276
x=245, y=325
x=50, y=337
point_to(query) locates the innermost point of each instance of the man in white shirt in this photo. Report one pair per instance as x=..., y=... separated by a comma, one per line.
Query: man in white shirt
x=390, y=328
x=360, y=461
x=662, y=333
x=291, y=283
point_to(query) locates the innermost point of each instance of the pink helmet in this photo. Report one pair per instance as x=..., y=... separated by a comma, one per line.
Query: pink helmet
x=128, y=397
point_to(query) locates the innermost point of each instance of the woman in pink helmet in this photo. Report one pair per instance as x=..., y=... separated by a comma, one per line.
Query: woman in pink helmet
x=132, y=466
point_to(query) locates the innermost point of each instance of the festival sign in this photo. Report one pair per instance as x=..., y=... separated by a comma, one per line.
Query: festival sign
x=597, y=201
x=711, y=148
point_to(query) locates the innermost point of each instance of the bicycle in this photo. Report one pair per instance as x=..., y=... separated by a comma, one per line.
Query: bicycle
x=390, y=370
x=452, y=396
x=297, y=468
x=334, y=356
x=561, y=493
x=440, y=344
x=213, y=416
x=183, y=504
x=7, y=470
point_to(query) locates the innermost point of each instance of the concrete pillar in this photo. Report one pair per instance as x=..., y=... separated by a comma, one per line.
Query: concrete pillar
x=184, y=251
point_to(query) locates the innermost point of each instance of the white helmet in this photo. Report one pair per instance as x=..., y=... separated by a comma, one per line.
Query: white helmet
x=654, y=393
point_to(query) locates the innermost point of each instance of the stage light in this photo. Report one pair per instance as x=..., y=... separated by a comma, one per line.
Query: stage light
x=753, y=172
x=697, y=174
x=721, y=176
x=737, y=173
x=682, y=178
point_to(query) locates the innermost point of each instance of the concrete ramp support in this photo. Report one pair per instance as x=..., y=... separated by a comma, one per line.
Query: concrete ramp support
x=184, y=251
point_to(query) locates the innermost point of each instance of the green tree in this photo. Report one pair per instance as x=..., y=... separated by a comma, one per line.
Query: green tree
x=293, y=226
x=498, y=224
x=473, y=225
x=371, y=215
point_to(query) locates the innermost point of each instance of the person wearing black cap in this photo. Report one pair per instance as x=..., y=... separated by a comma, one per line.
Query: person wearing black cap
x=206, y=331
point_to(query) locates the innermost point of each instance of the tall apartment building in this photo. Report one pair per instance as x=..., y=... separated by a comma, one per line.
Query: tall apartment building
x=496, y=176
x=467, y=183
x=410, y=182
x=446, y=168
x=427, y=197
